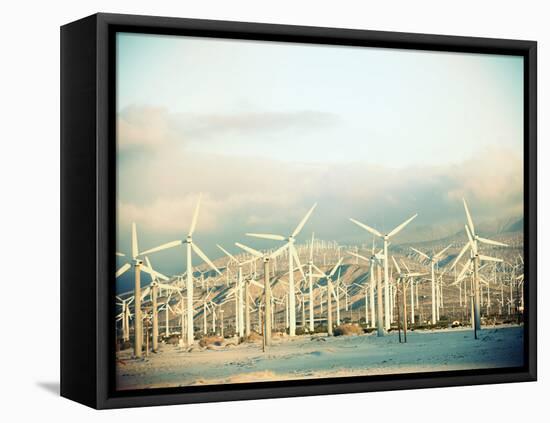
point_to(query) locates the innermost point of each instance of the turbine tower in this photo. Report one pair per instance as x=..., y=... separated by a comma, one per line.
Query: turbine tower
x=434, y=259
x=292, y=256
x=386, y=238
x=137, y=262
x=266, y=286
x=330, y=292
x=475, y=259
x=190, y=248
x=239, y=294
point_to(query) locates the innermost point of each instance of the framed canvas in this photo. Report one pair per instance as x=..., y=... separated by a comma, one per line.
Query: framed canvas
x=257, y=211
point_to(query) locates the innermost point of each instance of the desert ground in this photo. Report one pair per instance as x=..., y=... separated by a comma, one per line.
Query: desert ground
x=318, y=356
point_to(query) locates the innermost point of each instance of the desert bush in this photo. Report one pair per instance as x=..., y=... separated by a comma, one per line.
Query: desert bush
x=172, y=339
x=320, y=329
x=254, y=337
x=301, y=331
x=348, y=329
x=125, y=345
x=211, y=340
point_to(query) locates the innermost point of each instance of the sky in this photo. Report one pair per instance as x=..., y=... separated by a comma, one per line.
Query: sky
x=265, y=129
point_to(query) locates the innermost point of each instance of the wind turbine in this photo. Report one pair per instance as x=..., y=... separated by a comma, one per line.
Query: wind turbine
x=330, y=292
x=373, y=260
x=190, y=247
x=411, y=276
x=434, y=259
x=239, y=293
x=292, y=256
x=137, y=262
x=125, y=316
x=475, y=259
x=386, y=238
x=266, y=286
x=155, y=286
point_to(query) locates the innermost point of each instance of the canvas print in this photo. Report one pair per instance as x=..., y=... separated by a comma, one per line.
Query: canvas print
x=296, y=211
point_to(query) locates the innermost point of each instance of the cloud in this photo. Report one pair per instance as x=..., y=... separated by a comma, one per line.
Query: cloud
x=146, y=127
x=246, y=123
x=159, y=187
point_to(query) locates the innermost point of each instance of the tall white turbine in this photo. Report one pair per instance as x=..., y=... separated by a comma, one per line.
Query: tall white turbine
x=411, y=276
x=240, y=291
x=190, y=247
x=330, y=292
x=292, y=257
x=137, y=262
x=310, y=283
x=266, y=286
x=433, y=259
x=386, y=238
x=475, y=259
x=125, y=316
x=374, y=259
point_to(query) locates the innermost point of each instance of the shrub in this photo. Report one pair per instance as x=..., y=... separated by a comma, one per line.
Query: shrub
x=320, y=329
x=348, y=329
x=211, y=340
x=301, y=331
x=254, y=337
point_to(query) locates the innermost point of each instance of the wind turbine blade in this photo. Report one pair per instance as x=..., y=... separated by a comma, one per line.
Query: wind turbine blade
x=303, y=222
x=471, y=240
x=195, y=216
x=464, y=269
x=368, y=228
x=249, y=250
x=464, y=249
x=487, y=258
x=150, y=267
x=227, y=253
x=420, y=253
x=469, y=217
x=336, y=266
x=199, y=252
x=170, y=244
x=323, y=274
x=311, y=246
x=267, y=236
x=297, y=260
x=120, y=254
x=400, y=227
x=278, y=251
x=135, y=250
x=396, y=265
x=406, y=267
x=491, y=242
x=145, y=293
x=358, y=255
x=123, y=269
x=443, y=250
x=259, y=285
x=147, y=269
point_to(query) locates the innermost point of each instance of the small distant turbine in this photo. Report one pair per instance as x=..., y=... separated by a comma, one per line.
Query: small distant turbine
x=292, y=256
x=433, y=259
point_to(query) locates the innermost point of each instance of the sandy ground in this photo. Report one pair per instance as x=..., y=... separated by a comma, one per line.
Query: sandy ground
x=305, y=357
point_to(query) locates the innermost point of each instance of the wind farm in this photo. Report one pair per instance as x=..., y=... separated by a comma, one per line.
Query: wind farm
x=296, y=309
x=295, y=211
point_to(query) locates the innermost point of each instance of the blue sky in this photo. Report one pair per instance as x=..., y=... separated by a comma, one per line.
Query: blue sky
x=266, y=129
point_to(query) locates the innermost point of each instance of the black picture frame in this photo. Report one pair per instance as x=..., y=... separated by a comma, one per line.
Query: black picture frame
x=88, y=213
